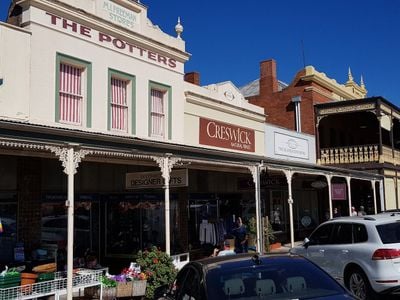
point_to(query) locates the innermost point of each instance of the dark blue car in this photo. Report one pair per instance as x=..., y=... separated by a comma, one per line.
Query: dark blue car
x=275, y=276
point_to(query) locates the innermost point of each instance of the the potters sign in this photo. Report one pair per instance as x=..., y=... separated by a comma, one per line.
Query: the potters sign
x=109, y=41
x=147, y=180
x=224, y=135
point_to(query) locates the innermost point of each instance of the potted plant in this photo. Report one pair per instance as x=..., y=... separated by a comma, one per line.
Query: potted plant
x=109, y=287
x=252, y=231
x=138, y=278
x=269, y=235
x=158, y=268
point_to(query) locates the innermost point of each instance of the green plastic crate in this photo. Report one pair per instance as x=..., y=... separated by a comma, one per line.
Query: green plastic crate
x=6, y=282
x=45, y=277
x=10, y=281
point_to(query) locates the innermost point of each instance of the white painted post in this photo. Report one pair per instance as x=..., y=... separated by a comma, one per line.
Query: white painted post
x=289, y=175
x=166, y=175
x=70, y=204
x=349, y=193
x=374, y=191
x=329, y=179
x=260, y=229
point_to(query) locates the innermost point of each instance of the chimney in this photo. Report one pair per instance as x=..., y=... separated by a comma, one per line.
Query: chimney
x=268, y=80
x=193, y=77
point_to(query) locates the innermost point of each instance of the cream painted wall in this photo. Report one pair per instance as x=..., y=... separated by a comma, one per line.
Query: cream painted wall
x=14, y=71
x=214, y=108
x=143, y=25
x=398, y=190
x=48, y=39
x=390, y=196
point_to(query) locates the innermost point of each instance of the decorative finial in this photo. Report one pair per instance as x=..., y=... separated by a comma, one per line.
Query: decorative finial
x=179, y=28
x=362, y=83
x=350, y=76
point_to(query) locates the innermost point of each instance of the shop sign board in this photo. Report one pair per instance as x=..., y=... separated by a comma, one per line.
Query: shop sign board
x=117, y=14
x=265, y=182
x=107, y=40
x=290, y=145
x=224, y=135
x=151, y=180
x=339, y=191
x=281, y=143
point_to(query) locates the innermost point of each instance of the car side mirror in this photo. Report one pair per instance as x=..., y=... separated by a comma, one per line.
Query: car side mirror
x=306, y=243
x=162, y=292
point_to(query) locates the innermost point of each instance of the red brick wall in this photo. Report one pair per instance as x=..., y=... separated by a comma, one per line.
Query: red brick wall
x=278, y=105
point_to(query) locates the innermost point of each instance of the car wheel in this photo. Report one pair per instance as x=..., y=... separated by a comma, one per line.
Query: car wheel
x=357, y=282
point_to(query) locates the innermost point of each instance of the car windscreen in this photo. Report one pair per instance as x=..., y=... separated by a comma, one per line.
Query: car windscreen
x=291, y=279
x=389, y=233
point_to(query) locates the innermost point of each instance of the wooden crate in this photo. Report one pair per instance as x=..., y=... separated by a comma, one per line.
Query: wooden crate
x=124, y=289
x=139, y=287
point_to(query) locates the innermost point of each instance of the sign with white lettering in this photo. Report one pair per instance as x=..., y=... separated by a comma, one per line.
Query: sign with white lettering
x=218, y=134
x=117, y=14
x=289, y=145
x=339, y=191
x=147, y=180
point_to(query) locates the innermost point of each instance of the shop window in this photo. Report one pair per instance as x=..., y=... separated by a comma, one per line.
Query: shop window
x=160, y=111
x=133, y=225
x=121, y=101
x=8, y=226
x=54, y=226
x=73, y=91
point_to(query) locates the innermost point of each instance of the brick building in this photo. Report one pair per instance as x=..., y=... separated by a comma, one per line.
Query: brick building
x=283, y=102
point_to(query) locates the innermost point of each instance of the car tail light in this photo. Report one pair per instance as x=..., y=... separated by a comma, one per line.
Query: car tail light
x=382, y=254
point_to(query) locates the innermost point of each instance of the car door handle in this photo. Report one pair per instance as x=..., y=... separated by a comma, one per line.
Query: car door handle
x=321, y=250
x=345, y=251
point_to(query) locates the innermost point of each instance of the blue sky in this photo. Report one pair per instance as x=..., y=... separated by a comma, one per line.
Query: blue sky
x=228, y=39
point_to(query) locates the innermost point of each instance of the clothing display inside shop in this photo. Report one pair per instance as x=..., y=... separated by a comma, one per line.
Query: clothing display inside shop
x=212, y=232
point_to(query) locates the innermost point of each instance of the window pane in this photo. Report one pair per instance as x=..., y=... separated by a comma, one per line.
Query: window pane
x=343, y=234
x=157, y=112
x=70, y=94
x=360, y=233
x=389, y=233
x=322, y=235
x=119, y=105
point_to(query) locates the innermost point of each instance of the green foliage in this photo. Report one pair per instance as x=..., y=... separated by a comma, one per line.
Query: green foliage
x=158, y=267
x=252, y=226
x=268, y=234
x=108, y=282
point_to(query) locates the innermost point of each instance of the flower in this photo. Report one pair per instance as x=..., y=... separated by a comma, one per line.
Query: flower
x=158, y=268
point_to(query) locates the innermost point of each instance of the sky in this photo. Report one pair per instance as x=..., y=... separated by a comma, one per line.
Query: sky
x=227, y=40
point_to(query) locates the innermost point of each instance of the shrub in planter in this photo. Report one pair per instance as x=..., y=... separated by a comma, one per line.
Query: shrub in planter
x=158, y=267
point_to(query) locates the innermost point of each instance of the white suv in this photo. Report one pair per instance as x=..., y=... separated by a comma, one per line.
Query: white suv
x=361, y=252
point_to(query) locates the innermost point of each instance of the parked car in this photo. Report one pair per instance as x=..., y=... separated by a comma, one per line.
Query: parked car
x=278, y=276
x=362, y=252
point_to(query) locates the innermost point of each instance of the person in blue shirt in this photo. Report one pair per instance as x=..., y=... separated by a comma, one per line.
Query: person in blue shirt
x=240, y=233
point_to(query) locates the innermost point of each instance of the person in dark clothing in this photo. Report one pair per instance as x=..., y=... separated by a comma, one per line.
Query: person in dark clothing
x=240, y=233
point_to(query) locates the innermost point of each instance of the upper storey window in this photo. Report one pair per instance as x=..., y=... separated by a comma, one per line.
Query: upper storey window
x=121, y=101
x=73, y=85
x=71, y=94
x=160, y=111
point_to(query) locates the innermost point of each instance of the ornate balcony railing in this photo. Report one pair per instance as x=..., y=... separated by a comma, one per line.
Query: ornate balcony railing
x=389, y=156
x=350, y=155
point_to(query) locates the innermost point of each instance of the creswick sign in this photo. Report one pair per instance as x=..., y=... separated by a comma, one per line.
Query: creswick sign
x=218, y=134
